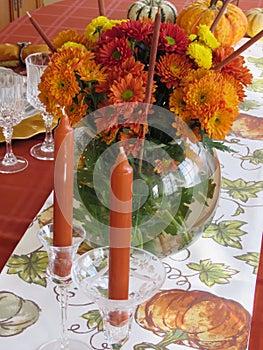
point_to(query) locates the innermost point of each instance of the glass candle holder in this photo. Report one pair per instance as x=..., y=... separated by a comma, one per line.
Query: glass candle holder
x=60, y=261
x=90, y=272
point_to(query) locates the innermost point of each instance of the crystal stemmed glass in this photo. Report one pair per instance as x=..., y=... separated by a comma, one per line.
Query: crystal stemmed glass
x=91, y=275
x=35, y=65
x=59, y=271
x=12, y=111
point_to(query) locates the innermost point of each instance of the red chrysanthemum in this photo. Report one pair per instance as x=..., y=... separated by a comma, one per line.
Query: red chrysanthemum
x=136, y=30
x=173, y=38
x=114, y=53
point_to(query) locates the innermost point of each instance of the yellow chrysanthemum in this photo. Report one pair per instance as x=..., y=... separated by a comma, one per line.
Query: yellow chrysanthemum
x=207, y=37
x=73, y=45
x=201, y=54
x=99, y=25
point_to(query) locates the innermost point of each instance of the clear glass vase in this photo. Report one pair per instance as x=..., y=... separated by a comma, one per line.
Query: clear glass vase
x=176, y=183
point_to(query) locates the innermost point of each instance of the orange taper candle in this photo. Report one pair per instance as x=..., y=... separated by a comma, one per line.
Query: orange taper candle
x=63, y=183
x=101, y=7
x=120, y=227
x=41, y=33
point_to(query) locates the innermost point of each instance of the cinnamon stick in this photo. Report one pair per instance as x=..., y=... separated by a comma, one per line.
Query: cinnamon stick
x=40, y=31
x=240, y=50
x=219, y=15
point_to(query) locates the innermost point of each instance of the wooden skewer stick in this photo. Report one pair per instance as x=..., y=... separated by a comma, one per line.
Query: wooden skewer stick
x=40, y=31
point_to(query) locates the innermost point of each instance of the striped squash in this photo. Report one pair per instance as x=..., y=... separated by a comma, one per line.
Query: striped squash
x=255, y=21
x=148, y=8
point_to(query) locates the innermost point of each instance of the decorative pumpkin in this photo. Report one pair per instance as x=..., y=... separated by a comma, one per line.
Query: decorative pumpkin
x=255, y=21
x=198, y=318
x=231, y=27
x=148, y=8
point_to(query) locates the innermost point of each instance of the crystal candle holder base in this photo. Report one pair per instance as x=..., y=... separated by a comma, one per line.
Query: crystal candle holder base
x=60, y=260
x=91, y=274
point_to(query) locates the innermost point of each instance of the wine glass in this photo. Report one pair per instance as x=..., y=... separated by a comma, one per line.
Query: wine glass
x=12, y=111
x=59, y=271
x=35, y=65
x=90, y=272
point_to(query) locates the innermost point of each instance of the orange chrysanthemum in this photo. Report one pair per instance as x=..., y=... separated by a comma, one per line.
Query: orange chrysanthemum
x=63, y=86
x=71, y=35
x=203, y=96
x=219, y=124
x=178, y=106
x=90, y=71
x=171, y=68
x=235, y=67
x=131, y=138
x=165, y=166
x=77, y=110
x=127, y=89
x=106, y=120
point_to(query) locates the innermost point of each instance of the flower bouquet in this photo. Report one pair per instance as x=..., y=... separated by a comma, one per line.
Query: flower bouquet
x=169, y=127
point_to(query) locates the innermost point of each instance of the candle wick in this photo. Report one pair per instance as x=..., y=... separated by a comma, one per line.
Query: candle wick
x=122, y=150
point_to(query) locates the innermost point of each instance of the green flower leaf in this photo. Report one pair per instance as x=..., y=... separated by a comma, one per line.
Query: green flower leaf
x=213, y=273
x=94, y=320
x=30, y=268
x=240, y=189
x=256, y=158
x=252, y=259
x=226, y=233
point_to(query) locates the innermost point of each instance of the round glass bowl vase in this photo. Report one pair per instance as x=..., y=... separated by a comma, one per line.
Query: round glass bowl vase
x=176, y=184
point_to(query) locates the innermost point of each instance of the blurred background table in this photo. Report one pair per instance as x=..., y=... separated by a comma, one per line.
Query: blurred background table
x=23, y=194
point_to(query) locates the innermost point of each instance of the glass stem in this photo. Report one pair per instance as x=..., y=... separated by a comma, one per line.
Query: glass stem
x=63, y=293
x=49, y=140
x=9, y=158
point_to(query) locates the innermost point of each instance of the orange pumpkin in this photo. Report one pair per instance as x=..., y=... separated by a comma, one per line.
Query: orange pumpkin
x=231, y=27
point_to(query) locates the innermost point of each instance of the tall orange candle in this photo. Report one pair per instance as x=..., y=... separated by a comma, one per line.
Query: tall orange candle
x=120, y=227
x=41, y=33
x=63, y=183
x=101, y=7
